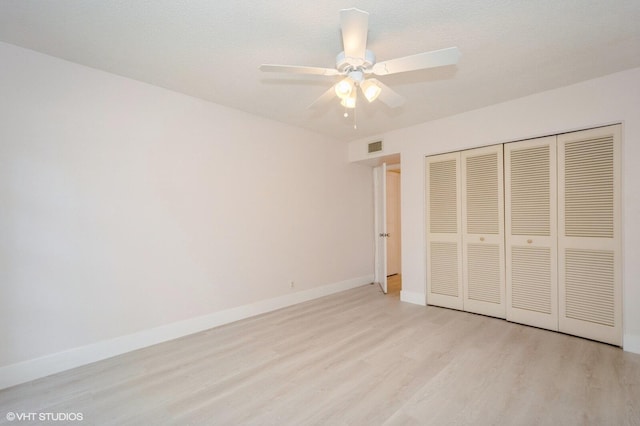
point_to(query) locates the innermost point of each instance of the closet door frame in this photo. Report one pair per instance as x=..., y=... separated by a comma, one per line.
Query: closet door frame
x=590, y=256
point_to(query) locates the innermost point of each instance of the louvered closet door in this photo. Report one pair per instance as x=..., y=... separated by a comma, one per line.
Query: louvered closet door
x=531, y=232
x=589, y=280
x=444, y=237
x=483, y=231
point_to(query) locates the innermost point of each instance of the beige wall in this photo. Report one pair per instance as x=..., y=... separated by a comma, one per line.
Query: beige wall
x=126, y=207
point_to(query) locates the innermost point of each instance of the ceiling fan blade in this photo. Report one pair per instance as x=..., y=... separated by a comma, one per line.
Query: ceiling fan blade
x=388, y=96
x=324, y=98
x=294, y=69
x=355, y=24
x=435, y=58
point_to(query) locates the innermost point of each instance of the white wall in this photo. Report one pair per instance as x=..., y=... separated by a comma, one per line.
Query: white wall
x=125, y=207
x=610, y=99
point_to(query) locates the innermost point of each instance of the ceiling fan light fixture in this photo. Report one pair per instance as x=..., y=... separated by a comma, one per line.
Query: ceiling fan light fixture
x=371, y=89
x=355, y=63
x=349, y=101
x=344, y=88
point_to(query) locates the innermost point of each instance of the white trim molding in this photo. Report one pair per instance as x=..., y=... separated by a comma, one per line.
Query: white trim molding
x=413, y=297
x=631, y=343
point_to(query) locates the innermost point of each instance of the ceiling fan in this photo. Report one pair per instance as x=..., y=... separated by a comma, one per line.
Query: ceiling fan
x=357, y=64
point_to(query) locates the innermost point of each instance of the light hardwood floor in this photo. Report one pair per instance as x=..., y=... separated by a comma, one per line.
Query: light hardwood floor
x=359, y=358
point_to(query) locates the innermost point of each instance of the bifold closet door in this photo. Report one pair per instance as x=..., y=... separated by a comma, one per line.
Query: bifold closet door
x=483, y=258
x=531, y=232
x=444, y=237
x=589, y=241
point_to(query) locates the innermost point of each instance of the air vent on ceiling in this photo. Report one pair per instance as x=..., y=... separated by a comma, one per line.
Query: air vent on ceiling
x=375, y=147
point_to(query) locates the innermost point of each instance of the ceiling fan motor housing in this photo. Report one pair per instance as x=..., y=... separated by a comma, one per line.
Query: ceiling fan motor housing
x=346, y=64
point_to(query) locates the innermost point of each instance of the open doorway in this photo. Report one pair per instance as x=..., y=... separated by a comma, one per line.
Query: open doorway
x=382, y=235
x=394, y=230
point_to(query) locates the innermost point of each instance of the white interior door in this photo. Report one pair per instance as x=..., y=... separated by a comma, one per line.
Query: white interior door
x=393, y=222
x=531, y=232
x=380, y=224
x=444, y=235
x=483, y=231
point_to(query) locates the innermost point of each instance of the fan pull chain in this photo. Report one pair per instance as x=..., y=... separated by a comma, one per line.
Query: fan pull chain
x=355, y=121
x=355, y=107
x=346, y=115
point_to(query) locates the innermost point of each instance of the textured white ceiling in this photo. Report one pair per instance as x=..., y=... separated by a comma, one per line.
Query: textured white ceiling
x=212, y=49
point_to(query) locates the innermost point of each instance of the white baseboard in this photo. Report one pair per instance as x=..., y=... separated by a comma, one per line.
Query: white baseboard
x=631, y=343
x=413, y=297
x=26, y=371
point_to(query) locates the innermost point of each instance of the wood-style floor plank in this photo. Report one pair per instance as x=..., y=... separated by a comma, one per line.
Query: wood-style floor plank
x=354, y=358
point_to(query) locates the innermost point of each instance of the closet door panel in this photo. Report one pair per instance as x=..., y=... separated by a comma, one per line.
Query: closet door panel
x=483, y=231
x=531, y=232
x=444, y=235
x=589, y=243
